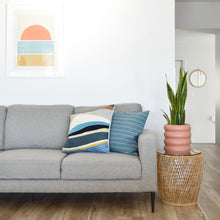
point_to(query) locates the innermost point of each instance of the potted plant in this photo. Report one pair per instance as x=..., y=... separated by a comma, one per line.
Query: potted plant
x=177, y=133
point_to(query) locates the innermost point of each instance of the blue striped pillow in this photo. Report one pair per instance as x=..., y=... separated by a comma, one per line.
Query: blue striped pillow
x=124, y=132
x=89, y=132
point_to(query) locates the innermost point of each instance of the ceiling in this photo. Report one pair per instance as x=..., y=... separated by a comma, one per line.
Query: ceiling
x=207, y=30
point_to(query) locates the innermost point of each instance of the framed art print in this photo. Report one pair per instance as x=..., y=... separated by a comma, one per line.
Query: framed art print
x=34, y=40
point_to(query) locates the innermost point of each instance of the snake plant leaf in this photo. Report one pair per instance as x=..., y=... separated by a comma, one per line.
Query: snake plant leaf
x=184, y=95
x=179, y=89
x=177, y=101
x=182, y=117
x=171, y=95
x=182, y=82
x=177, y=117
x=172, y=116
x=181, y=75
x=166, y=117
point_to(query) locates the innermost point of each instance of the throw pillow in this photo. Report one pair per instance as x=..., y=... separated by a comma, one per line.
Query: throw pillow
x=125, y=129
x=89, y=132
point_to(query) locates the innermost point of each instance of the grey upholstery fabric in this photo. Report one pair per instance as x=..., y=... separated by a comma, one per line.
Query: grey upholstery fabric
x=38, y=170
x=2, y=125
x=129, y=107
x=101, y=166
x=35, y=126
x=147, y=153
x=74, y=186
x=30, y=164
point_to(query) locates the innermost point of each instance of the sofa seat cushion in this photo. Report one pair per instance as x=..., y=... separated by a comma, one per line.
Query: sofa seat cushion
x=101, y=166
x=30, y=164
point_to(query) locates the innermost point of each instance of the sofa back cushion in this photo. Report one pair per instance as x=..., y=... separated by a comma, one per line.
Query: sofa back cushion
x=2, y=125
x=127, y=107
x=36, y=126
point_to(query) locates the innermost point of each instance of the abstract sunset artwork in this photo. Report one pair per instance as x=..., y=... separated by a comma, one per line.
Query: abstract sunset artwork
x=36, y=47
x=35, y=41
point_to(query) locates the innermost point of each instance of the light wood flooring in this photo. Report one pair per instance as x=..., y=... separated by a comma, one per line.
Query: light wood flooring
x=119, y=206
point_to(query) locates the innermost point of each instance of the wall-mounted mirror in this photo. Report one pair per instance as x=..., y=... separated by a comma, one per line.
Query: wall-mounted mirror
x=197, y=78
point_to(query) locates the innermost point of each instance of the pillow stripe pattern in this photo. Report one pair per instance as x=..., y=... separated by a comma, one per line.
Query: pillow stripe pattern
x=125, y=129
x=89, y=132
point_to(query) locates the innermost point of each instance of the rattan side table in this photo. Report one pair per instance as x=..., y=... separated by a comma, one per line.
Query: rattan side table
x=179, y=177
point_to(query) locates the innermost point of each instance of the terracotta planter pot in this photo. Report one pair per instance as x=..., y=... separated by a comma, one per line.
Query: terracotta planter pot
x=177, y=139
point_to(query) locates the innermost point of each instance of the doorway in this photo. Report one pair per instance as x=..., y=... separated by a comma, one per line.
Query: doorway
x=198, y=43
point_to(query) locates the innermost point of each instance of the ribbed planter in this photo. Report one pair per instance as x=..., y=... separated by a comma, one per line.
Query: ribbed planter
x=177, y=139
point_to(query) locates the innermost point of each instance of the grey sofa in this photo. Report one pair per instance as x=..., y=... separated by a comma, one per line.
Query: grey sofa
x=31, y=138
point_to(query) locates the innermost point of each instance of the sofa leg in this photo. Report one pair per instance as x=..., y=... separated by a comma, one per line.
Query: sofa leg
x=32, y=196
x=152, y=201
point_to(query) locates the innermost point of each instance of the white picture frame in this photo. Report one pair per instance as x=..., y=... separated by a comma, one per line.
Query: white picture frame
x=34, y=40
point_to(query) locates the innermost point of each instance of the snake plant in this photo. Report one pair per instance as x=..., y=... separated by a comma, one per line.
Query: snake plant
x=177, y=101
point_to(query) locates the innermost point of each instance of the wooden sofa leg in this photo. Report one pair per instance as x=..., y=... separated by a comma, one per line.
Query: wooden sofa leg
x=152, y=200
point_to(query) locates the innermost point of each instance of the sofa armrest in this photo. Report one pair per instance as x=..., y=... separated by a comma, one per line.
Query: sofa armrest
x=147, y=153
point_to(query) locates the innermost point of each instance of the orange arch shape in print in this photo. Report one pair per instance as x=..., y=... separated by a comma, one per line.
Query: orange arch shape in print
x=36, y=32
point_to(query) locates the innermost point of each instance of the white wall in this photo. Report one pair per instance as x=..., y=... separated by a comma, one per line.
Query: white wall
x=121, y=48
x=115, y=52
x=198, y=51
x=217, y=70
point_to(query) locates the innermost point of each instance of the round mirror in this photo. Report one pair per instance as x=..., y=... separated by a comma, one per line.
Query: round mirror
x=197, y=78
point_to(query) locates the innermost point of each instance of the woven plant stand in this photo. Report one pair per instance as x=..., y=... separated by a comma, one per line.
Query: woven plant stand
x=179, y=178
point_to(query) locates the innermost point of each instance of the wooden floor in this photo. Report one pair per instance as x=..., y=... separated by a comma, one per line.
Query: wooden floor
x=119, y=206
